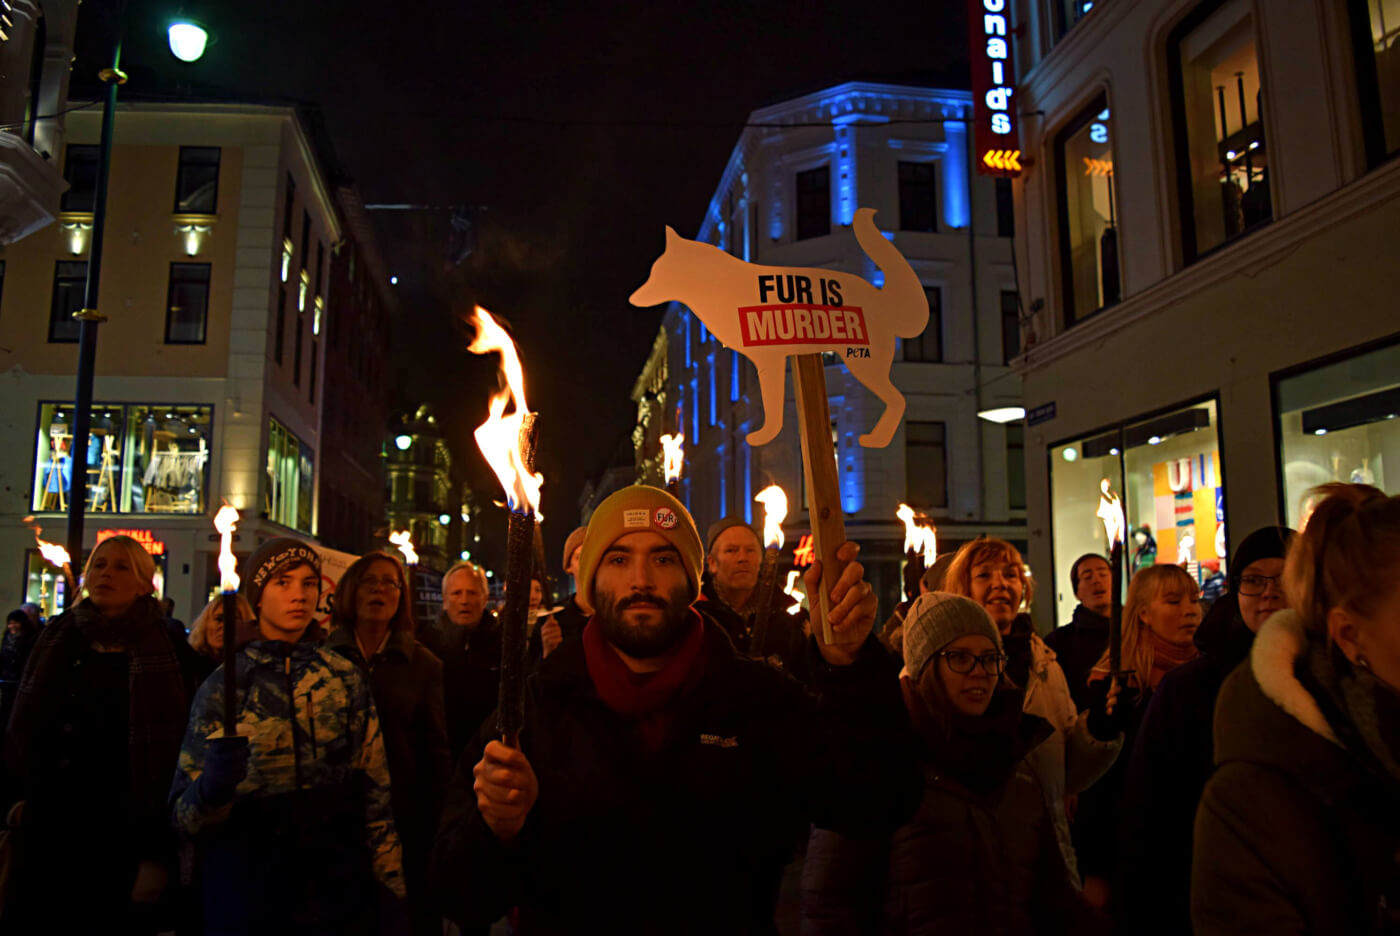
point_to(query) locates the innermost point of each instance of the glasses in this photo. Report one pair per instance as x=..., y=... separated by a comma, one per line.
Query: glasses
x=1253, y=585
x=962, y=662
x=387, y=583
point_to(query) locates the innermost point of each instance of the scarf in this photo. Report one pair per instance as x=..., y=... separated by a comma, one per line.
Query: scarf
x=1363, y=711
x=1167, y=656
x=645, y=697
x=157, y=706
x=980, y=752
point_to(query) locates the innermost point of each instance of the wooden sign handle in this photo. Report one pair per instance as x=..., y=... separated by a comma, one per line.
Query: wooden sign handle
x=819, y=468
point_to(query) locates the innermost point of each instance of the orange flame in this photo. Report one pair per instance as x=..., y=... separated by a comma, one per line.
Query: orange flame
x=919, y=534
x=1111, y=513
x=673, y=455
x=792, y=592
x=226, y=521
x=404, y=541
x=775, y=508
x=499, y=437
x=53, y=553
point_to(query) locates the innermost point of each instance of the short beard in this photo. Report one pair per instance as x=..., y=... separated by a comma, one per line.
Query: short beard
x=645, y=642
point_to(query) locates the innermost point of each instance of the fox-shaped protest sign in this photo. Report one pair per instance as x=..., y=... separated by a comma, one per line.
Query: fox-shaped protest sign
x=768, y=313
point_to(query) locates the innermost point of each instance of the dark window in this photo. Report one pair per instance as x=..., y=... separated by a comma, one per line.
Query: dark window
x=1088, y=213
x=1006, y=208
x=305, y=238
x=926, y=463
x=1068, y=13
x=814, y=203
x=1375, y=28
x=734, y=241
x=187, y=315
x=320, y=262
x=928, y=347
x=289, y=197
x=69, y=284
x=918, y=197
x=1015, y=466
x=297, y=349
x=197, y=183
x=80, y=172
x=1222, y=162
x=1010, y=325
x=311, y=382
x=279, y=338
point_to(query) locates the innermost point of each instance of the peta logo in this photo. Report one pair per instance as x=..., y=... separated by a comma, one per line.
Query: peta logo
x=666, y=518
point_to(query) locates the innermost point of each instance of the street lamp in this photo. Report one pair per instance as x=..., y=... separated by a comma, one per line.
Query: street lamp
x=187, y=40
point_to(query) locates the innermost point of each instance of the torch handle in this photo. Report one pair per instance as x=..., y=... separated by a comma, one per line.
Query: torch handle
x=1115, y=619
x=230, y=599
x=763, y=596
x=819, y=468
x=511, y=700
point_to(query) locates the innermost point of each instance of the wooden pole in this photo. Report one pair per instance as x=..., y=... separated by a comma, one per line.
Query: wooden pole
x=819, y=469
x=520, y=541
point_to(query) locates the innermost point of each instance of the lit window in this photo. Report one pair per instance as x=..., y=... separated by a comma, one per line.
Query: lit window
x=319, y=310
x=302, y=289
x=286, y=258
x=1088, y=213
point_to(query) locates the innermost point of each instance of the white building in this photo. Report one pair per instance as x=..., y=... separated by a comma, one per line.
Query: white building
x=1211, y=206
x=786, y=197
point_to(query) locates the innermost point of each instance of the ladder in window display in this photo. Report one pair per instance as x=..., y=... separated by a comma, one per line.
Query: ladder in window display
x=104, y=491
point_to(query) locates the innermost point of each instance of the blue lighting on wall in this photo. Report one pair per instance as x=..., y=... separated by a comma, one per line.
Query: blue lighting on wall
x=845, y=171
x=733, y=376
x=685, y=324
x=956, y=213
x=711, y=358
x=852, y=477
x=704, y=335
x=723, y=483
x=748, y=477
x=695, y=409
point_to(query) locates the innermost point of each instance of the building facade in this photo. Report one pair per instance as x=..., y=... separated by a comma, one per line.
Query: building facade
x=422, y=497
x=1211, y=202
x=786, y=197
x=220, y=232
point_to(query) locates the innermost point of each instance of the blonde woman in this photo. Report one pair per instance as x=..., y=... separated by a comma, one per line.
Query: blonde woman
x=207, y=637
x=91, y=747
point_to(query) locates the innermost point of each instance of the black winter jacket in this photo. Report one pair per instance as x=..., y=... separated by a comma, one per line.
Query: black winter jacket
x=471, y=675
x=1078, y=645
x=691, y=838
x=785, y=639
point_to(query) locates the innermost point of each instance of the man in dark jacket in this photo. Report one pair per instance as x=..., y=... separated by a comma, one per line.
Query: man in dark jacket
x=568, y=623
x=467, y=639
x=662, y=777
x=729, y=594
x=1080, y=644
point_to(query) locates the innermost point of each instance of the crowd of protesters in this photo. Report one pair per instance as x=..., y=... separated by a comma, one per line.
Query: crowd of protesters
x=1235, y=768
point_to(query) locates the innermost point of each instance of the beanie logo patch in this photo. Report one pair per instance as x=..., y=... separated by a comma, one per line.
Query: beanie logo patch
x=638, y=518
x=666, y=518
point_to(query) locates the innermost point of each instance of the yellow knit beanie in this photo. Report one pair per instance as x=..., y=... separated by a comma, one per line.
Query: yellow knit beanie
x=637, y=509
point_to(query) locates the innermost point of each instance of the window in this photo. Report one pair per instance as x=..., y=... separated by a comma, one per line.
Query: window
x=1222, y=161
x=311, y=381
x=1337, y=421
x=188, y=304
x=1088, y=215
x=290, y=477
x=300, y=326
x=1376, y=34
x=1006, y=208
x=305, y=239
x=69, y=285
x=928, y=347
x=1010, y=325
x=1068, y=13
x=80, y=172
x=814, y=203
x=279, y=338
x=289, y=197
x=139, y=458
x=918, y=197
x=197, y=182
x=1015, y=466
x=926, y=464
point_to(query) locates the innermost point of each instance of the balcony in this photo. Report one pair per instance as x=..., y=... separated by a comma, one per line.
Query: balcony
x=30, y=186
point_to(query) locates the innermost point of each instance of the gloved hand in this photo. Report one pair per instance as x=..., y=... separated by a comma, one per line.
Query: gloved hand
x=225, y=766
x=1110, y=716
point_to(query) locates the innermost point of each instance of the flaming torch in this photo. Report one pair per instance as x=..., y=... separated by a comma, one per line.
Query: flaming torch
x=1111, y=513
x=673, y=455
x=920, y=546
x=225, y=521
x=55, y=555
x=775, y=508
x=508, y=445
x=404, y=541
x=791, y=590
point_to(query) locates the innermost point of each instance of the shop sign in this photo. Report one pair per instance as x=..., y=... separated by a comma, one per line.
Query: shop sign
x=997, y=147
x=146, y=538
x=803, y=555
x=1042, y=413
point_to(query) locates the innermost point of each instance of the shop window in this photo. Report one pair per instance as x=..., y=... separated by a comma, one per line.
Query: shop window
x=918, y=197
x=139, y=458
x=926, y=463
x=1217, y=109
x=44, y=584
x=290, y=475
x=1167, y=470
x=197, y=180
x=1338, y=422
x=69, y=287
x=814, y=203
x=1010, y=325
x=928, y=346
x=187, y=316
x=80, y=172
x=1088, y=213
x=1006, y=208
x=1015, y=466
x=1376, y=34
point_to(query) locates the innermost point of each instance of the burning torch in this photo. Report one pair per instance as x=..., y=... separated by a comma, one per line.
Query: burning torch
x=403, y=540
x=226, y=521
x=55, y=555
x=1111, y=513
x=775, y=508
x=920, y=546
x=508, y=445
x=792, y=591
x=673, y=455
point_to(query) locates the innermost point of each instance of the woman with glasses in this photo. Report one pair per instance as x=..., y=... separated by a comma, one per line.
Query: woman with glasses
x=373, y=628
x=981, y=854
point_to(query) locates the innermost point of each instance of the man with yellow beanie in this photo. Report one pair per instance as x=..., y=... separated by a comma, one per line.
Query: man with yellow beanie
x=663, y=779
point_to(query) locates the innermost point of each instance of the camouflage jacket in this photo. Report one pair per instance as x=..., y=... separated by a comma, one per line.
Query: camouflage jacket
x=326, y=734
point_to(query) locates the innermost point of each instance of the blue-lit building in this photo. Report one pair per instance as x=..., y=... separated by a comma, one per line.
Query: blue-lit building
x=787, y=196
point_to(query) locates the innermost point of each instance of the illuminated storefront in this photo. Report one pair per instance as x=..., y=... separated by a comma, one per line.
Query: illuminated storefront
x=46, y=585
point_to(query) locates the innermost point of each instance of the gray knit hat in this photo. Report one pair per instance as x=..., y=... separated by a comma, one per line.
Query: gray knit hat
x=935, y=620
x=272, y=557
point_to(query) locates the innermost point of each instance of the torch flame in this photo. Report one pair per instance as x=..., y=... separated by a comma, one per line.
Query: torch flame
x=673, y=454
x=499, y=437
x=53, y=553
x=919, y=534
x=1111, y=513
x=775, y=508
x=404, y=541
x=225, y=521
x=792, y=592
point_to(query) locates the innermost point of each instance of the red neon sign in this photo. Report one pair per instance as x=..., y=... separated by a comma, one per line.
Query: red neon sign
x=996, y=146
x=803, y=555
x=146, y=538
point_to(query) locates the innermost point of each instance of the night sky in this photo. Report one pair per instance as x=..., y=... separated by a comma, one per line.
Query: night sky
x=575, y=131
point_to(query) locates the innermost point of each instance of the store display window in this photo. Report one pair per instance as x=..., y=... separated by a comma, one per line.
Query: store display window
x=290, y=478
x=139, y=458
x=46, y=585
x=1338, y=422
x=1166, y=468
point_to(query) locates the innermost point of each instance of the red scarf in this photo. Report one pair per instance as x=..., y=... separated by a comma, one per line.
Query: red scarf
x=647, y=697
x=1167, y=656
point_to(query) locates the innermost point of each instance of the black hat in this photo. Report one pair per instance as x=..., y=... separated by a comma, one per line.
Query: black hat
x=1264, y=543
x=274, y=556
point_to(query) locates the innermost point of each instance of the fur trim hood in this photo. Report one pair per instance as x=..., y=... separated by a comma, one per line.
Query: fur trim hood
x=1273, y=661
